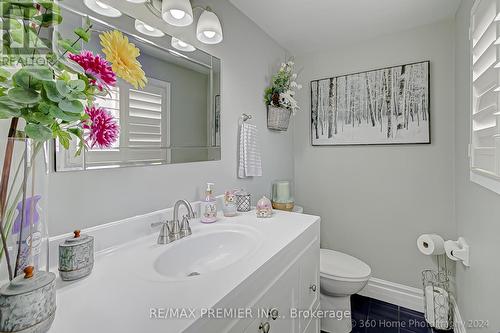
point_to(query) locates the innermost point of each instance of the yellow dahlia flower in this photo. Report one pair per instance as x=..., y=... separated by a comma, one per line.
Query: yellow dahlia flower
x=123, y=56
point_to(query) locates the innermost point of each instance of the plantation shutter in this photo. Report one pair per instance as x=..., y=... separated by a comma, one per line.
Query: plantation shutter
x=144, y=125
x=143, y=115
x=485, y=125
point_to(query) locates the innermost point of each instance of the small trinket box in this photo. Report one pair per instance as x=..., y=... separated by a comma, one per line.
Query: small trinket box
x=76, y=257
x=243, y=201
x=28, y=302
x=264, y=208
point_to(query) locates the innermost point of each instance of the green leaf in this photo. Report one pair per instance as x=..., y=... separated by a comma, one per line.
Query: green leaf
x=17, y=35
x=76, y=96
x=68, y=46
x=38, y=132
x=78, y=132
x=60, y=114
x=42, y=118
x=7, y=112
x=24, y=96
x=11, y=24
x=83, y=34
x=40, y=72
x=22, y=3
x=50, y=5
x=5, y=100
x=23, y=79
x=76, y=85
x=52, y=92
x=71, y=106
x=4, y=73
x=48, y=19
x=62, y=87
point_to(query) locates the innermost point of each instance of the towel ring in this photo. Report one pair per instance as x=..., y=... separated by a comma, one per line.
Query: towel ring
x=246, y=117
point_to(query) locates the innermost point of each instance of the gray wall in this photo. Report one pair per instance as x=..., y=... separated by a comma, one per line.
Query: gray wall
x=109, y=195
x=477, y=208
x=188, y=106
x=376, y=200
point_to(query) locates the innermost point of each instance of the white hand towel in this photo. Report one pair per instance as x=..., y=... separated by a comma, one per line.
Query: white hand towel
x=250, y=164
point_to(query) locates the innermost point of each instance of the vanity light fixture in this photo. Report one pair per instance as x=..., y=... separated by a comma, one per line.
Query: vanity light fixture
x=146, y=29
x=178, y=13
x=137, y=1
x=102, y=8
x=209, y=28
x=181, y=45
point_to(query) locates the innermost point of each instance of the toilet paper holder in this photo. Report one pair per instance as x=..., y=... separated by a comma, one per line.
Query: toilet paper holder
x=458, y=251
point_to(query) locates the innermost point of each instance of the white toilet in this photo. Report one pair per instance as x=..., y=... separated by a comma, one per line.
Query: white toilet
x=341, y=276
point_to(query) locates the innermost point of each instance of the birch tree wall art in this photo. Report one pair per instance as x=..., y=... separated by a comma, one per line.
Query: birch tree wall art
x=384, y=106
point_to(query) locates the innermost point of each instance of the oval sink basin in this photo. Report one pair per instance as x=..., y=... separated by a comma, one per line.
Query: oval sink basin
x=205, y=252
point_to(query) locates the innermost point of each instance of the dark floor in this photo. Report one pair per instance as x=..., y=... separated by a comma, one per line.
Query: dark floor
x=374, y=316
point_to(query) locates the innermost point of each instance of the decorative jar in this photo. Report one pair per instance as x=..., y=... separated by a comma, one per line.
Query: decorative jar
x=264, y=208
x=243, y=201
x=28, y=302
x=76, y=257
x=229, y=208
x=282, y=197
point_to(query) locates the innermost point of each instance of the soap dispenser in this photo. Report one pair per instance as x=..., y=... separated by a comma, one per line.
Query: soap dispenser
x=209, y=206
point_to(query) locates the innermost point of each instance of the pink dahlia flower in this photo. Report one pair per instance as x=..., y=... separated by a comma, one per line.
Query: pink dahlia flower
x=102, y=129
x=97, y=67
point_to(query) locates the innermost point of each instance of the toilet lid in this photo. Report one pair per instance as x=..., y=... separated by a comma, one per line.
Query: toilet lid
x=334, y=263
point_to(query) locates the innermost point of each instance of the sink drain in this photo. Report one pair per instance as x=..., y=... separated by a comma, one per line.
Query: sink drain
x=193, y=274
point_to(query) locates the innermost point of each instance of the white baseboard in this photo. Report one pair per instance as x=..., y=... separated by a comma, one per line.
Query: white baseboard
x=395, y=293
x=407, y=297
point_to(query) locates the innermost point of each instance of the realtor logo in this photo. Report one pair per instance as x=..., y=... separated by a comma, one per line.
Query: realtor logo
x=24, y=36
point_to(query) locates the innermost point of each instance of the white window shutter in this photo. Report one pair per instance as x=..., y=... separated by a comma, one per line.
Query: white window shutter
x=485, y=124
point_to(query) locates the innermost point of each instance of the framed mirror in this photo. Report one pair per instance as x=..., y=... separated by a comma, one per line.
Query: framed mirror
x=175, y=118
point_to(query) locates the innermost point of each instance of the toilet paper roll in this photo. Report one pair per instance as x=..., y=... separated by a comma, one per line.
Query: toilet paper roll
x=431, y=244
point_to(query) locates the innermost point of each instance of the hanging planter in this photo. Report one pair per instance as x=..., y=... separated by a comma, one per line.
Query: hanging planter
x=278, y=118
x=280, y=98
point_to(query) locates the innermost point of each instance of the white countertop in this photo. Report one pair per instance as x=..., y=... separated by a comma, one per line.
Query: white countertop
x=118, y=295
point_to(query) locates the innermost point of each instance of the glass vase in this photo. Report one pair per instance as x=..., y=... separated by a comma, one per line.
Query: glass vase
x=23, y=207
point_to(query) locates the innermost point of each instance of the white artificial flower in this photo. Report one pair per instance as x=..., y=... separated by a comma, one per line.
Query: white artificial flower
x=294, y=76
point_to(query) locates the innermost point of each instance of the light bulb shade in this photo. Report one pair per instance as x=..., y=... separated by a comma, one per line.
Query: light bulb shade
x=102, y=8
x=146, y=29
x=177, y=12
x=181, y=45
x=209, y=29
x=137, y=1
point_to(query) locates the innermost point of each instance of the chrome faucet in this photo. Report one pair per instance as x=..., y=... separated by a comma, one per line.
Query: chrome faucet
x=174, y=230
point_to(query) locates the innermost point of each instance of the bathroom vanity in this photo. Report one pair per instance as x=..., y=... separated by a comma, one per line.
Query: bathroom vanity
x=239, y=274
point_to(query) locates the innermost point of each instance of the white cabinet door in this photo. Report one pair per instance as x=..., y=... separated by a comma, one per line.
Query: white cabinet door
x=274, y=307
x=309, y=282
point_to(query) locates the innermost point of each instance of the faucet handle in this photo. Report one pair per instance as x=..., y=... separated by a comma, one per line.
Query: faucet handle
x=185, y=227
x=165, y=236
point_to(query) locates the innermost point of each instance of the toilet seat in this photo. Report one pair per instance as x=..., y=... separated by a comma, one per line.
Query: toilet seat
x=342, y=267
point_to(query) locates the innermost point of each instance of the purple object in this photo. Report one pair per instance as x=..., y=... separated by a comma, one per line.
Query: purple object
x=27, y=211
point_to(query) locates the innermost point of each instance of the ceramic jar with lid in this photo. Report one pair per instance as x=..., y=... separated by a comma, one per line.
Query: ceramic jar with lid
x=28, y=302
x=76, y=257
x=264, y=208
